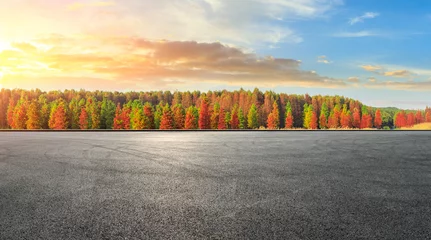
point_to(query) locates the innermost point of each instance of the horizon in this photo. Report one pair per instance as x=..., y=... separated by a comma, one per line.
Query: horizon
x=218, y=90
x=372, y=52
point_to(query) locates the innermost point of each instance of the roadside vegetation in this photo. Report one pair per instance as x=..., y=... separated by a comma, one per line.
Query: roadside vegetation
x=70, y=109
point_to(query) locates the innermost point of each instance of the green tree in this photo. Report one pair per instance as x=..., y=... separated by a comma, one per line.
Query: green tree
x=253, y=118
x=241, y=119
x=107, y=114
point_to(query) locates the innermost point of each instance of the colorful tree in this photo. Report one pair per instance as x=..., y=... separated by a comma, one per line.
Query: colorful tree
x=336, y=116
x=74, y=112
x=60, y=117
x=307, y=115
x=83, y=119
x=234, y=119
x=400, y=119
x=227, y=118
x=366, y=120
x=356, y=122
x=204, y=116
x=191, y=121
x=378, y=119
x=148, y=116
x=419, y=118
x=45, y=111
x=215, y=116
x=241, y=119
x=222, y=119
x=20, y=115
x=9, y=112
x=252, y=117
x=410, y=119
x=288, y=123
x=33, y=116
x=428, y=117
x=158, y=115
x=125, y=117
x=313, y=122
x=346, y=118
x=178, y=116
x=324, y=114
x=107, y=114
x=273, y=121
x=118, y=121
x=167, y=122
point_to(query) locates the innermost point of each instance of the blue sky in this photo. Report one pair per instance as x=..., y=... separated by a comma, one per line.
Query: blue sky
x=373, y=51
x=396, y=36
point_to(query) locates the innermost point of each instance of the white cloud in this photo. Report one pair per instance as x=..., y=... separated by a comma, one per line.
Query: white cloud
x=367, y=15
x=372, y=80
x=353, y=79
x=355, y=34
x=242, y=22
x=323, y=59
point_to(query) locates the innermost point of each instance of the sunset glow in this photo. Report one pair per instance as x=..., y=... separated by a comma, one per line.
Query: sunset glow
x=214, y=44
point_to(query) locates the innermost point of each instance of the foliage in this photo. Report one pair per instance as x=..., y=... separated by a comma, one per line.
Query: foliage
x=71, y=109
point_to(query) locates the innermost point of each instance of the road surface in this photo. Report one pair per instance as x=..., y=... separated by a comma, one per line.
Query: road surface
x=215, y=185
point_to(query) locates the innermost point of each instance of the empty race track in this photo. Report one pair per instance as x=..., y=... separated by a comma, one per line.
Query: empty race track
x=215, y=185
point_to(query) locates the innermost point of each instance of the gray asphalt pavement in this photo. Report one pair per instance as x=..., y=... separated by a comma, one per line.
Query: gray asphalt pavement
x=215, y=185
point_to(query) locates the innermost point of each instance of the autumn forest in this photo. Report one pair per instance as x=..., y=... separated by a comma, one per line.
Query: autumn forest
x=70, y=109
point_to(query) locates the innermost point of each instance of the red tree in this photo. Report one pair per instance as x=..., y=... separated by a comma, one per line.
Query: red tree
x=289, y=120
x=20, y=115
x=118, y=121
x=60, y=121
x=356, y=123
x=346, y=119
x=191, y=120
x=204, y=115
x=313, y=123
x=400, y=120
x=428, y=117
x=10, y=111
x=83, y=119
x=272, y=122
x=410, y=119
x=378, y=119
x=222, y=122
x=166, y=122
x=322, y=121
x=366, y=121
x=125, y=117
x=234, y=121
x=419, y=118
x=178, y=117
x=149, y=117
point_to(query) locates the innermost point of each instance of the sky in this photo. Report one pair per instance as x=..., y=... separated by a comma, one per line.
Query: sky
x=375, y=51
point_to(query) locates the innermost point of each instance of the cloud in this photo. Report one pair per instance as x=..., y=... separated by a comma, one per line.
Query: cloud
x=367, y=15
x=353, y=79
x=409, y=85
x=355, y=34
x=372, y=68
x=372, y=80
x=323, y=59
x=251, y=23
x=80, y=5
x=142, y=63
x=398, y=73
x=382, y=71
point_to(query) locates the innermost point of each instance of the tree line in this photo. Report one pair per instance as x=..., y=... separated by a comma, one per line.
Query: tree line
x=72, y=109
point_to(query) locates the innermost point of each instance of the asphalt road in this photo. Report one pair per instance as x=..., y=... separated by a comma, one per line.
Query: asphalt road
x=215, y=185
